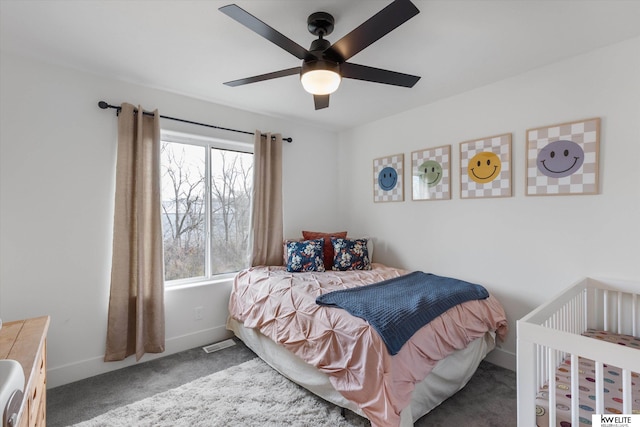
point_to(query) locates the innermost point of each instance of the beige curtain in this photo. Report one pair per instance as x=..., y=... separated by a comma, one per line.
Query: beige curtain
x=266, y=213
x=136, y=302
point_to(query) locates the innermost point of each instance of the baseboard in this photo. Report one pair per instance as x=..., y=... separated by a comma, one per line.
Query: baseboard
x=502, y=358
x=65, y=374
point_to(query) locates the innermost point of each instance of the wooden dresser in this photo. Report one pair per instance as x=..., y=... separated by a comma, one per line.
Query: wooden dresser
x=26, y=342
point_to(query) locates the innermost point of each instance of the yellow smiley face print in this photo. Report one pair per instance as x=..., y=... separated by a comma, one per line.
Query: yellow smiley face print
x=484, y=167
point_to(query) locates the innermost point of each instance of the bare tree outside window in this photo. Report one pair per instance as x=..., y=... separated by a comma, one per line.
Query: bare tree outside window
x=231, y=183
x=191, y=249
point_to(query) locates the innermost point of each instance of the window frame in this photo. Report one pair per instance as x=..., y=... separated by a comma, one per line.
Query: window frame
x=208, y=143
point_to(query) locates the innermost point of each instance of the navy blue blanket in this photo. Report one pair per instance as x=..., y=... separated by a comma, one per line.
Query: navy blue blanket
x=398, y=307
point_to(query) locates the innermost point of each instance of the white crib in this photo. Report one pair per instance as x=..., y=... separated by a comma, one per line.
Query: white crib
x=552, y=332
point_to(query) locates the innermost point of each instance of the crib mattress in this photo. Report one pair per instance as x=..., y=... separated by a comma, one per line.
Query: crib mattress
x=586, y=371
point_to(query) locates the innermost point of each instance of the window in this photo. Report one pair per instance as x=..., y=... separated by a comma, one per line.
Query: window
x=206, y=200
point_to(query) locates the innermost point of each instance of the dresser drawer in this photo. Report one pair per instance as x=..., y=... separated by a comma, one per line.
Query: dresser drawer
x=37, y=394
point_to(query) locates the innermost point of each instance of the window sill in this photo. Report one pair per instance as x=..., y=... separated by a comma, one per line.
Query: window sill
x=223, y=278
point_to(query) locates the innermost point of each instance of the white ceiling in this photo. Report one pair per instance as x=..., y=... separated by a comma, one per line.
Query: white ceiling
x=190, y=48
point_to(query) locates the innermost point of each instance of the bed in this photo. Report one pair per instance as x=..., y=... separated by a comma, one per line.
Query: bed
x=341, y=357
x=579, y=355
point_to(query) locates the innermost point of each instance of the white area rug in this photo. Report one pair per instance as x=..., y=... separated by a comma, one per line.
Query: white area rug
x=249, y=394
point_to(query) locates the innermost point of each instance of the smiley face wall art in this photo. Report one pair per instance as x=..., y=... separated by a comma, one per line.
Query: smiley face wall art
x=485, y=167
x=388, y=182
x=431, y=173
x=563, y=159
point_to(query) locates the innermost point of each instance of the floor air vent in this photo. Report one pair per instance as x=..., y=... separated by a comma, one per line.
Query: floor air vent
x=219, y=346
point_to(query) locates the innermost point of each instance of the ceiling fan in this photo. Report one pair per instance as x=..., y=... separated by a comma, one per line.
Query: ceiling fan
x=324, y=65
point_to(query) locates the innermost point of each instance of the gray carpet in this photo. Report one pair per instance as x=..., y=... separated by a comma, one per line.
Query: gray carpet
x=223, y=399
x=488, y=400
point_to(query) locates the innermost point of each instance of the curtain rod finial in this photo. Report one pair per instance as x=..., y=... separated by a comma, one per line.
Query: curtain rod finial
x=103, y=105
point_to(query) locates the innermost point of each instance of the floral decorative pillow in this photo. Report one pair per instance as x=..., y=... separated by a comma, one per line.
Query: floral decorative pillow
x=305, y=256
x=350, y=254
x=328, y=248
x=370, y=241
x=285, y=256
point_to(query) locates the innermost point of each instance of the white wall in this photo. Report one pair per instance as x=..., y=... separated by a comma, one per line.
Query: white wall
x=57, y=169
x=522, y=248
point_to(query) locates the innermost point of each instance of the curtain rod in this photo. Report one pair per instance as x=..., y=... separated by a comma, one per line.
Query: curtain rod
x=105, y=105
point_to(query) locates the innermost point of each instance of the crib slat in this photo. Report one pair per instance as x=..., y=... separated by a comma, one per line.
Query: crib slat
x=627, y=402
x=585, y=310
x=570, y=316
x=599, y=388
x=634, y=315
x=606, y=312
x=619, y=311
x=575, y=391
x=577, y=315
x=552, y=386
x=541, y=373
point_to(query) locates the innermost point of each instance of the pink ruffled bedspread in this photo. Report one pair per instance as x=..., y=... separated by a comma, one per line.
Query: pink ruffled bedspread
x=281, y=305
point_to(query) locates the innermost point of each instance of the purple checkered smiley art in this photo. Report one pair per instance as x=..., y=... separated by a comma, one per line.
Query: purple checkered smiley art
x=560, y=158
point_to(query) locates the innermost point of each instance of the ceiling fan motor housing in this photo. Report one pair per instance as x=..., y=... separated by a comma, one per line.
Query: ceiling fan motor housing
x=319, y=45
x=319, y=64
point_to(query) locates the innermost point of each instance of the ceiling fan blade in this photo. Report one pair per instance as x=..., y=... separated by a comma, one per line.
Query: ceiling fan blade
x=259, y=27
x=262, y=77
x=379, y=25
x=377, y=75
x=321, y=101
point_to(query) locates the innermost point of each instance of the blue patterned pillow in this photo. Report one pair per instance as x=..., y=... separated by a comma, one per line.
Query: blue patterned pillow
x=305, y=255
x=350, y=254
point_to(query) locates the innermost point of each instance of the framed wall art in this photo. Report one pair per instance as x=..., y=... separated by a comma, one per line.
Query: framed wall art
x=563, y=159
x=485, y=167
x=431, y=173
x=388, y=179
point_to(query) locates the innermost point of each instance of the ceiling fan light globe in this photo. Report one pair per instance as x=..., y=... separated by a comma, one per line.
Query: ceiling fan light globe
x=320, y=82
